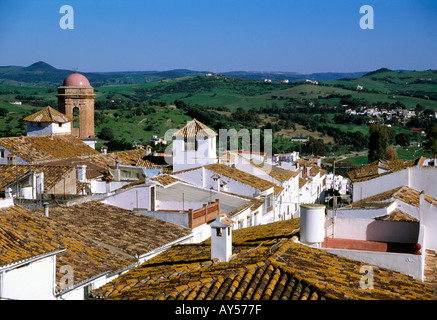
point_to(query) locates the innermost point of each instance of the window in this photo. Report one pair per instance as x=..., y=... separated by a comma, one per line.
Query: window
x=152, y=198
x=249, y=221
x=190, y=144
x=218, y=232
x=269, y=202
x=2, y=153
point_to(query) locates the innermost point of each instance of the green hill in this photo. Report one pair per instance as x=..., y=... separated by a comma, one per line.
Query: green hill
x=136, y=111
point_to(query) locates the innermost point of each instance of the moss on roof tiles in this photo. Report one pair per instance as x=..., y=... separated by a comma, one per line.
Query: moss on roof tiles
x=52, y=174
x=123, y=230
x=35, y=149
x=240, y=176
x=268, y=264
x=48, y=114
x=194, y=129
x=24, y=234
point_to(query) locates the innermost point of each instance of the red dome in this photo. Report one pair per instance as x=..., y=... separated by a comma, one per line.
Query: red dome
x=76, y=79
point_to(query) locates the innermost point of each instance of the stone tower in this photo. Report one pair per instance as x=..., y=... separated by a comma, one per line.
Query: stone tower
x=77, y=95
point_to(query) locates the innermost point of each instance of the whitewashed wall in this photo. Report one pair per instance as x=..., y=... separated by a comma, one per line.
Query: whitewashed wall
x=374, y=230
x=365, y=189
x=34, y=281
x=47, y=128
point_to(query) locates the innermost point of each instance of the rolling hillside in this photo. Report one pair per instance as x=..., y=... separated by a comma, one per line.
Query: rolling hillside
x=136, y=111
x=43, y=74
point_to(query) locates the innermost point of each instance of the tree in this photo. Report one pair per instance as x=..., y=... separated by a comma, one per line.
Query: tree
x=403, y=139
x=314, y=146
x=378, y=142
x=3, y=112
x=432, y=139
x=391, y=154
x=106, y=134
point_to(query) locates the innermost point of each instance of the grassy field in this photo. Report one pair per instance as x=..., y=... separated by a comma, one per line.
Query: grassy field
x=228, y=93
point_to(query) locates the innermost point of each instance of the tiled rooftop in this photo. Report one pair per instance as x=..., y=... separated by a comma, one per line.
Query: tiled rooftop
x=35, y=149
x=193, y=129
x=48, y=114
x=52, y=174
x=25, y=234
x=97, y=163
x=267, y=263
x=240, y=176
x=371, y=170
x=405, y=194
x=398, y=215
x=279, y=174
x=121, y=230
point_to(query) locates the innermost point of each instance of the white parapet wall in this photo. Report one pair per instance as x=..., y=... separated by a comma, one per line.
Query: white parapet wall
x=409, y=264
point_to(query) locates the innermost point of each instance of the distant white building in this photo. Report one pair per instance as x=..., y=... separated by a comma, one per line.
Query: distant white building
x=337, y=182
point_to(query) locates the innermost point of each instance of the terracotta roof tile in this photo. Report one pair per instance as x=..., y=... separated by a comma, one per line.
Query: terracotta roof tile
x=48, y=114
x=398, y=215
x=371, y=170
x=34, y=149
x=24, y=234
x=240, y=176
x=267, y=264
x=52, y=174
x=193, y=129
x=274, y=171
x=127, y=232
x=405, y=194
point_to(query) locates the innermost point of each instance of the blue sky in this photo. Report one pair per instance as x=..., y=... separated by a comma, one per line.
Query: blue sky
x=302, y=36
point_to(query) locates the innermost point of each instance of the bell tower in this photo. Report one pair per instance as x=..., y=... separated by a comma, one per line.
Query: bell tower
x=76, y=100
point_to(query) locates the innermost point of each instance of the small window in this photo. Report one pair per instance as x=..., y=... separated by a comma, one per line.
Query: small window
x=2, y=153
x=218, y=232
x=152, y=198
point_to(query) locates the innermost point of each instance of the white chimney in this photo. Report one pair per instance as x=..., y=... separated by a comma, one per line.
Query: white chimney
x=221, y=240
x=46, y=209
x=312, y=224
x=81, y=173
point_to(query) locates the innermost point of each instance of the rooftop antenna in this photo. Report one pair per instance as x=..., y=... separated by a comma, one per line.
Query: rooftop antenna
x=75, y=69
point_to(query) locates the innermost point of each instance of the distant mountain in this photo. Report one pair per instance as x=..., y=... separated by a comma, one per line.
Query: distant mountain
x=43, y=74
x=293, y=76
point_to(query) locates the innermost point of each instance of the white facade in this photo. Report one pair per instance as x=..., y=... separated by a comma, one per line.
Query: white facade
x=193, y=152
x=47, y=128
x=29, y=186
x=7, y=157
x=416, y=177
x=32, y=279
x=138, y=197
x=337, y=182
x=205, y=178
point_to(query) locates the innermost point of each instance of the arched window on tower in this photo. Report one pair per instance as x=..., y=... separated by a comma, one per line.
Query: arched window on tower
x=76, y=122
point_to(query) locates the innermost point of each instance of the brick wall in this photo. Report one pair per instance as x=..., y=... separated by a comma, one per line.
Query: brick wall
x=203, y=215
x=83, y=99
